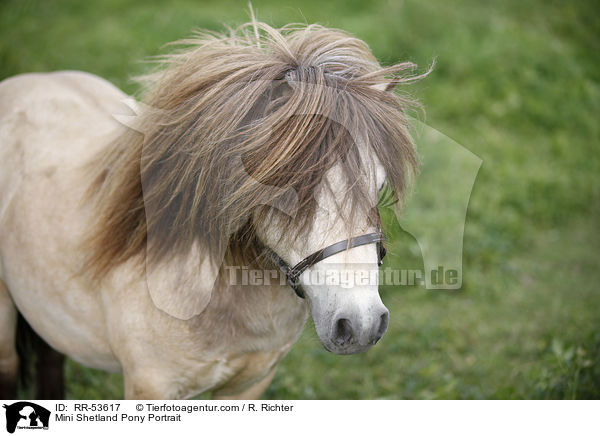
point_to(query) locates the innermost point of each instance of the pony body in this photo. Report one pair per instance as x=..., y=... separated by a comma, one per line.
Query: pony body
x=112, y=248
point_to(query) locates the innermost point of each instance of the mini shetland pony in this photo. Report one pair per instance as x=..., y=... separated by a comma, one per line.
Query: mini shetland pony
x=116, y=241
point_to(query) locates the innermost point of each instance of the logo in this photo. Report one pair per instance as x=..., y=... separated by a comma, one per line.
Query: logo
x=446, y=178
x=26, y=415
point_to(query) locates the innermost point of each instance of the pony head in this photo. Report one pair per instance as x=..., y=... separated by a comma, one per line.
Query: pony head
x=256, y=141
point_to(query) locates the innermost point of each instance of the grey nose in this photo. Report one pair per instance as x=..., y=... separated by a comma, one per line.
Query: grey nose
x=349, y=330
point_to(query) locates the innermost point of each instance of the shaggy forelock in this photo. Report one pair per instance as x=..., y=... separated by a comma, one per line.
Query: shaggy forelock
x=231, y=116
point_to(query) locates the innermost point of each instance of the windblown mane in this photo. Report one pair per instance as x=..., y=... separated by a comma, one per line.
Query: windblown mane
x=229, y=117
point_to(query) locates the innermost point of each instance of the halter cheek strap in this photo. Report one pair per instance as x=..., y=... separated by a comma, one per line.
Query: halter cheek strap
x=293, y=273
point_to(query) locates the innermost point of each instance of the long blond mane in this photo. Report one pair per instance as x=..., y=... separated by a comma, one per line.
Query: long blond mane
x=288, y=103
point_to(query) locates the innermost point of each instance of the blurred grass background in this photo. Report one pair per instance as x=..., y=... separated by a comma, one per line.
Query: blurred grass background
x=518, y=84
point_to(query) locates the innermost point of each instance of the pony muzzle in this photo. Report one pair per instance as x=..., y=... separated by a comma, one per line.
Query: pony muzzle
x=351, y=335
x=350, y=332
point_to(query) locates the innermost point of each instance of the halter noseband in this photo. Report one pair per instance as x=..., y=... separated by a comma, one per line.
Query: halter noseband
x=293, y=273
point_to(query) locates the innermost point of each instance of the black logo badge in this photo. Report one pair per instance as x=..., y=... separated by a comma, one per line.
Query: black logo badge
x=26, y=415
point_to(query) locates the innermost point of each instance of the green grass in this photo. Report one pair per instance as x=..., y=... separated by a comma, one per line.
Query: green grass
x=517, y=83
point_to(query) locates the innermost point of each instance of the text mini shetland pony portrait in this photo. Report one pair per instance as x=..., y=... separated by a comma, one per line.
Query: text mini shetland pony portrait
x=253, y=147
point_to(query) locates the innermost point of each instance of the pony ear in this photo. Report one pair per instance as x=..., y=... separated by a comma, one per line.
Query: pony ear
x=182, y=285
x=385, y=86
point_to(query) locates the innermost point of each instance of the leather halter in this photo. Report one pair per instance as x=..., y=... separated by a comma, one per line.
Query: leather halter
x=293, y=273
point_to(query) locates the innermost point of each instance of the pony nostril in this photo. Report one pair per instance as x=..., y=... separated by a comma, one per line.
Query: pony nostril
x=342, y=332
x=383, y=325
